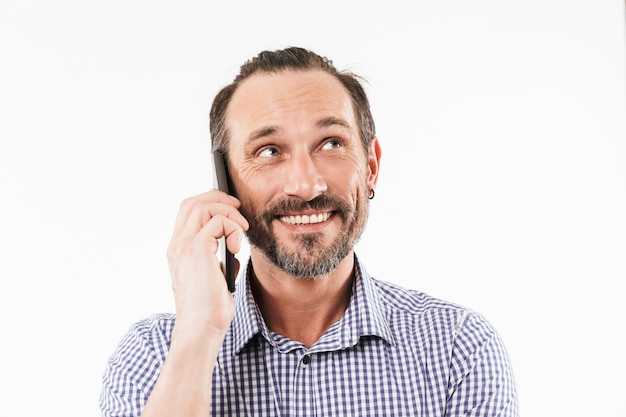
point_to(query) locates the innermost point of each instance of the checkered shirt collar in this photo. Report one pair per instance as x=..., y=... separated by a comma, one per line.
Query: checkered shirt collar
x=364, y=317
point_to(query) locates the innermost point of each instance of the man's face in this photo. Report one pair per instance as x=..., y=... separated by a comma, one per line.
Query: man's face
x=300, y=169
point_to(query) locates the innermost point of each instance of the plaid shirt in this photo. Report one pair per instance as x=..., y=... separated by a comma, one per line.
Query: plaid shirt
x=395, y=352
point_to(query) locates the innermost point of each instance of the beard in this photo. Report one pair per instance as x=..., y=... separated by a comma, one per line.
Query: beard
x=311, y=258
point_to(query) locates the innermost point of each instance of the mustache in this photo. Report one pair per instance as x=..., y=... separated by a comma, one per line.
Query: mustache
x=294, y=204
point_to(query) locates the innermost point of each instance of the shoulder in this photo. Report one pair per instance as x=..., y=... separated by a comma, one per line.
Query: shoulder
x=134, y=366
x=411, y=301
x=429, y=312
x=161, y=323
x=151, y=335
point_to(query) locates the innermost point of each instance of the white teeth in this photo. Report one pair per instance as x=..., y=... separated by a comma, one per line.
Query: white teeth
x=306, y=219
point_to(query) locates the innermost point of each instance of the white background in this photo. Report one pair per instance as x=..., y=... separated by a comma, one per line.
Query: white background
x=503, y=182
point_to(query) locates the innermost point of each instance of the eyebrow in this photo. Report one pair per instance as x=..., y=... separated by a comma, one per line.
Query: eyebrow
x=332, y=121
x=325, y=122
x=261, y=133
x=322, y=123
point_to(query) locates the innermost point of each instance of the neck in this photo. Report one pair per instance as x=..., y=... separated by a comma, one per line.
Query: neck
x=301, y=309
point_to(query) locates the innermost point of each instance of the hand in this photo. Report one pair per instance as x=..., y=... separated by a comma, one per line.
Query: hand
x=202, y=299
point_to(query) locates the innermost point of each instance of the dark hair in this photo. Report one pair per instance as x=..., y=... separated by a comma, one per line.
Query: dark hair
x=297, y=59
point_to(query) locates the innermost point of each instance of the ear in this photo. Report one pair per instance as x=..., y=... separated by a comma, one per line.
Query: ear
x=373, y=163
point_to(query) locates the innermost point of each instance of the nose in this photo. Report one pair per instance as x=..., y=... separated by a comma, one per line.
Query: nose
x=303, y=178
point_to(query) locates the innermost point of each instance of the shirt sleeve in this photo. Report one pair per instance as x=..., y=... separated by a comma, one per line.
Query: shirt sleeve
x=133, y=369
x=481, y=380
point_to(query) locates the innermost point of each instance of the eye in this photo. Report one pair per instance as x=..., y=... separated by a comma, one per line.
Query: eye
x=332, y=143
x=268, y=152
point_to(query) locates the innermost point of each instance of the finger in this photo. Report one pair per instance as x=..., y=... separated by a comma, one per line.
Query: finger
x=200, y=214
x=195, y=212
x=188, y=205
x=212, y=196
x=220, y=226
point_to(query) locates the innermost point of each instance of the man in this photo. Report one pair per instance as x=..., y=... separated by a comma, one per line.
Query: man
x=308, y=331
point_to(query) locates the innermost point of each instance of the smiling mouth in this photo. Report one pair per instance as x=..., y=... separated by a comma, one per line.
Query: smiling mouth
x=306, y=218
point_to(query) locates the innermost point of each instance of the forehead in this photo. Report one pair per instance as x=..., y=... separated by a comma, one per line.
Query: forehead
x=289, y=97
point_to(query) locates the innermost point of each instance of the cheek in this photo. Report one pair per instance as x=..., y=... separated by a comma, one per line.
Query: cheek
x=346, y=182
x=251, y=189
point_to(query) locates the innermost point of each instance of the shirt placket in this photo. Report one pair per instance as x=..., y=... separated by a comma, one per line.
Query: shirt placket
x=291, y=377
x=303, y=398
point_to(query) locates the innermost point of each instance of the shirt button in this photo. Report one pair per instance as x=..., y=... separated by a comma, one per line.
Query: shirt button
x=306, y=359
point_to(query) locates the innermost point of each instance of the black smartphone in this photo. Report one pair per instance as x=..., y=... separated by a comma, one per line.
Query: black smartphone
x=221, y=181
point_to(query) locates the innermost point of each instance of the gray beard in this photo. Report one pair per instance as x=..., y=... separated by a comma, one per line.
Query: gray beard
x=315, y=263
x=310, y=259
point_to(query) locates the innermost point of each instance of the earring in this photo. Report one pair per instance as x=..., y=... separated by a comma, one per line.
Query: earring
x=371, y=197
